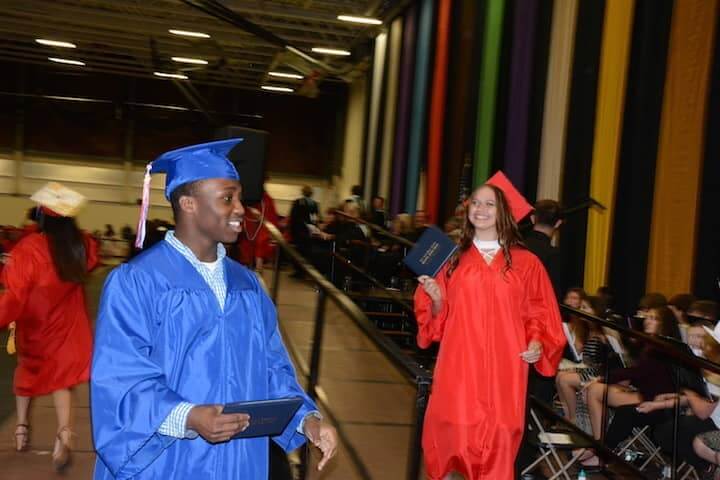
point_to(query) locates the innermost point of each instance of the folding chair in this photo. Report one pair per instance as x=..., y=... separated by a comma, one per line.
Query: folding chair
x=687, y=472
x=641, y=442
x=549, y=444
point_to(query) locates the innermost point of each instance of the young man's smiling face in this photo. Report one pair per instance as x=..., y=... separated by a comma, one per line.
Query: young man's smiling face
x=218, y=212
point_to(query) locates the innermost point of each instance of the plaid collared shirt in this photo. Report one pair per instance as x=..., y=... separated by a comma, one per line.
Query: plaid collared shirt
x=214, y=278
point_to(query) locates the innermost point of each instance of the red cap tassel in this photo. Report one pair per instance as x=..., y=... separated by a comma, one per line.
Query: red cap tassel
x=140, y=237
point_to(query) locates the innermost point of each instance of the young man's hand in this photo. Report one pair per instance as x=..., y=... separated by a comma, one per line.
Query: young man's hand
x=214, y=426
x=323, y=436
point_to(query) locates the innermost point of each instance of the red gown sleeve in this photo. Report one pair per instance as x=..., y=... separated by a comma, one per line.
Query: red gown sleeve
x=431, y=328
x=542, y=319
x=91, y=251
x=17, y=277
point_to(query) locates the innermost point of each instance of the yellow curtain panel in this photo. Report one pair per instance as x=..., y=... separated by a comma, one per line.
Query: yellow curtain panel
x=679, y=162
x=557, y=94
x=617, y=33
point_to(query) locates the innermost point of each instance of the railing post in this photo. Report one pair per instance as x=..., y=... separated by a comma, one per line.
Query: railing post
x=676, y=423
x=423, y=392
x=317, y=343
x=332, y=262
x=276, y=275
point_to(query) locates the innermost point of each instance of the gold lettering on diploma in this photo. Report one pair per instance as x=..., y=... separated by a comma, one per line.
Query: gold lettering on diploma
x=430, y=253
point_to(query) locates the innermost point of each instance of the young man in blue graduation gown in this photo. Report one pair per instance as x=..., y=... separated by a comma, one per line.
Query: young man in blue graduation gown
x=183, y=330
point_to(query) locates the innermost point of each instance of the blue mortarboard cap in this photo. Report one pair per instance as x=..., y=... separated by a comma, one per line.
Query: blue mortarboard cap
x=196, y=162
x=184, y=165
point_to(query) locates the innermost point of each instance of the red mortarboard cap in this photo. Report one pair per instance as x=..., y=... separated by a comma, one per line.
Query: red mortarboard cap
x=519, y=207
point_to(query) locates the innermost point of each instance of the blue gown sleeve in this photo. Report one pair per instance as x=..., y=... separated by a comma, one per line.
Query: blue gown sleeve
x=281, y=376
x=129, y=395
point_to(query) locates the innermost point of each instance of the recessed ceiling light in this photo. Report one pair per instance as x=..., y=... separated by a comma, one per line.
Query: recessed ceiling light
x=195, y=61
x=277, y=89
x=330, y=51
x=171, y=75
x=188, y=33
x=285, y=75
x=55, y=43
x=66, y=61
x=363, y=20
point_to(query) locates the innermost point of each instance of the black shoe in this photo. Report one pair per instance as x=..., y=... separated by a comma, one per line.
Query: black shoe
x=533, y=476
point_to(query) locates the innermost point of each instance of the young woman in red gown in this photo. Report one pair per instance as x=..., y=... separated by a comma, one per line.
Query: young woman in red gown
x=44, y=296
x=255, y=245
x=494, y=312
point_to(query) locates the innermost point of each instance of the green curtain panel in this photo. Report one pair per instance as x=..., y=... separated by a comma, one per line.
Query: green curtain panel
x=492, y=40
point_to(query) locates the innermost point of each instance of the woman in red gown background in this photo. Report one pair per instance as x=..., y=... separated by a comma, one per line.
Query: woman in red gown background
x=493, y=310
x=44, y=296
x=254, y=246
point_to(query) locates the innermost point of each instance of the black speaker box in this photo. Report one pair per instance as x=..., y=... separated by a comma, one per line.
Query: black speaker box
x=248, y=157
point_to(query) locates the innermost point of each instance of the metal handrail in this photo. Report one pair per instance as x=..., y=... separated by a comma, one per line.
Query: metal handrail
x=419, y=375
x=413, y=369
x=682, y=357
x=380, y=230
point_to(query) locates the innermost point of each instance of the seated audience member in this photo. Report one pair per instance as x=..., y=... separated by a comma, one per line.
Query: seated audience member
x=649, y=301
x=453, y=228
x=592, y=345
x=378, y=216
x=608, y=298
x=697, y=337
x=649, y=377
x=697, y=433
x=402, y=226
x=420, y=223
x=703, y=310
x=356, y=198
x=679, y=305
x=574, y=297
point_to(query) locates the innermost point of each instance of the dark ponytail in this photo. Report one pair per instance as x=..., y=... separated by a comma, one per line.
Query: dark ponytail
x=67, y=247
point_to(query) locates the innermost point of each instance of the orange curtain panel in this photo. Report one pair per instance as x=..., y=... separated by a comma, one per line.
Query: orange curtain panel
x=680, y=153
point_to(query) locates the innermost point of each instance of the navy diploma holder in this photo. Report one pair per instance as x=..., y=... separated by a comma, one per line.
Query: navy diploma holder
x=268, y=418
x=430, y=252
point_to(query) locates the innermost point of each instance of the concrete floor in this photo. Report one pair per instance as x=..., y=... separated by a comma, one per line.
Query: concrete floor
x=369, y=397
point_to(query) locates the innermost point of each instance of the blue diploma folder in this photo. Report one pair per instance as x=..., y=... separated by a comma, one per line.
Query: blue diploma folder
x=268, y=418
x=430, y=252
